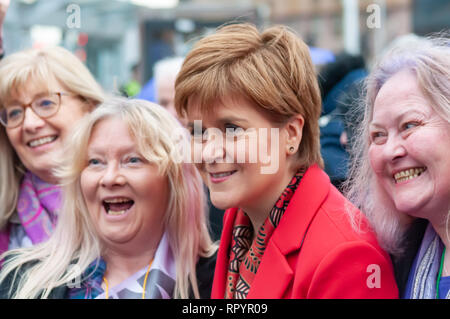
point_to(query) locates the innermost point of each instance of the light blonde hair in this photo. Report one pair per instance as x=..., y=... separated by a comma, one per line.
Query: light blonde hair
x=429, y=60
x=43, y=67
x=75, y=241
x=272, y=69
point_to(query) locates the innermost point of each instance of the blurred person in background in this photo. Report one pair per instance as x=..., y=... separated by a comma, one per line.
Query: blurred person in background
x=401, y=164
x=43, y=93
x=341, y=89
x=288, y=231
x=133, y=86
x=133, y=223
x=161, y=87
x=165, y=73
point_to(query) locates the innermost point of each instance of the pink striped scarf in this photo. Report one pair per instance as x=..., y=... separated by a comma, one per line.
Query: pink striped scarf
x=38, y=207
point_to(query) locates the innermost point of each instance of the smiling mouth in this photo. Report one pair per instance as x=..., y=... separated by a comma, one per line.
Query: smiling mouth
x=42, y=141
x=117, y=206
x=408, y=174
x=221, y=175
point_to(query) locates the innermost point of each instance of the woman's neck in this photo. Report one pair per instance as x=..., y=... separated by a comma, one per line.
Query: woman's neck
x=47, y=177
x=259, y=211
x=446, y=266
x=122, y=263
x=442, y=228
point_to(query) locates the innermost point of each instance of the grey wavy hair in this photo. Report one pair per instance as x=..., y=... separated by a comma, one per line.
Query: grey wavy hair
x=429, y=60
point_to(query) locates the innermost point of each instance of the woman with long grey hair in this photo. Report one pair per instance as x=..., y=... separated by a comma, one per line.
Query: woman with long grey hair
x=400, y=176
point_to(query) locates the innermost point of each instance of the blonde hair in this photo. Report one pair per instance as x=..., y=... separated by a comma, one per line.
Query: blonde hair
x=75, y=241
x=42, y=66
x=429, y=60
x=272, y=69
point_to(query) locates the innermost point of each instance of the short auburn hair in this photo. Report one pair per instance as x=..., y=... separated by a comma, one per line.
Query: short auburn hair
x=272, y=69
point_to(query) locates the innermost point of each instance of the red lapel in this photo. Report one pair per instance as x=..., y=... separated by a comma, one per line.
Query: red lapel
x=311, y=193
x=220, y=273
x=274, y=273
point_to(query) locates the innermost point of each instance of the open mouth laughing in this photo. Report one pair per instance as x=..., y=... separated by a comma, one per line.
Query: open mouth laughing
x=117, y=206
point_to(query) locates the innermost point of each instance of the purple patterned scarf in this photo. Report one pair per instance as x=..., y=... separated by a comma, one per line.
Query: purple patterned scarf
x=38, y=206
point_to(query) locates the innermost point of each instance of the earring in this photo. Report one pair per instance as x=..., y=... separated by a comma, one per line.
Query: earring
x=291, y=149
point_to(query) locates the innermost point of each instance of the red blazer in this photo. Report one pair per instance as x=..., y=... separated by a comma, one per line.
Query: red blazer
x=314, y=252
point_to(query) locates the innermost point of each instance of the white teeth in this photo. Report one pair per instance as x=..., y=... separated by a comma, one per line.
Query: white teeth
x=114, y=213
x=408, y=174
x=221, y=174
x=116, y=200
x=42, y=141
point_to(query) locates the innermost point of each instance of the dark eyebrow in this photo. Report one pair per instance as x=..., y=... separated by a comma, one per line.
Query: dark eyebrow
x=233, y=119
x=226, y=119
x=190, y=125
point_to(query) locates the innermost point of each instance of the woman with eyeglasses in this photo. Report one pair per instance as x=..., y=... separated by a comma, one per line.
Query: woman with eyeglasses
x=43, y=93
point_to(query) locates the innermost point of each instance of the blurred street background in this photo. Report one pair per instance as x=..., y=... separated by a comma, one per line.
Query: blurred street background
x=121, y=40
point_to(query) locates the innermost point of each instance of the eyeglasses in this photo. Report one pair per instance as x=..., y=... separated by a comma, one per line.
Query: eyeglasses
x=13, y=115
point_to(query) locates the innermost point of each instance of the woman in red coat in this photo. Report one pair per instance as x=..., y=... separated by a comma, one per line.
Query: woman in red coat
x=253, y=104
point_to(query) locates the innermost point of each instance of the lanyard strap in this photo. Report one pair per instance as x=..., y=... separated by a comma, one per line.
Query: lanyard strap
x=440, y=274
x=143, y=288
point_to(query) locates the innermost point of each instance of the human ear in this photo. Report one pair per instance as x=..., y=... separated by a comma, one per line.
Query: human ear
x=294, y=132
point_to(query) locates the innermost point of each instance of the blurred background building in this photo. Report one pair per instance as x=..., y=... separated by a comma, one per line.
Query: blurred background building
x=122, y=39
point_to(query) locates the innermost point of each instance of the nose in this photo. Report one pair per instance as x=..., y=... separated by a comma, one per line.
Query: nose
x=31, y=121
x=112, y=176
x=213, y=150
x=394, y=149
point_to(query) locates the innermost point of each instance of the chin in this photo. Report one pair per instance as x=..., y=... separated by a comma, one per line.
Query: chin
x=411, y=209
x=116, y=240
x=222, y=206
x=221, y=202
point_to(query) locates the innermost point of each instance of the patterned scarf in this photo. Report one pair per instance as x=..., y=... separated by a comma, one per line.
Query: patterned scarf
x=91, y=287
x=38, y=207
x=424, y=272
x=241, y=274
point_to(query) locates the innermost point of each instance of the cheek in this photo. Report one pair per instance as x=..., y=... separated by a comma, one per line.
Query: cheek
x=154, y=196
x=375, y=159
x=196, y=152
x=13, y=137
x=75, y=115
x=88, y=187
x=200, y=168
x=441, y=173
